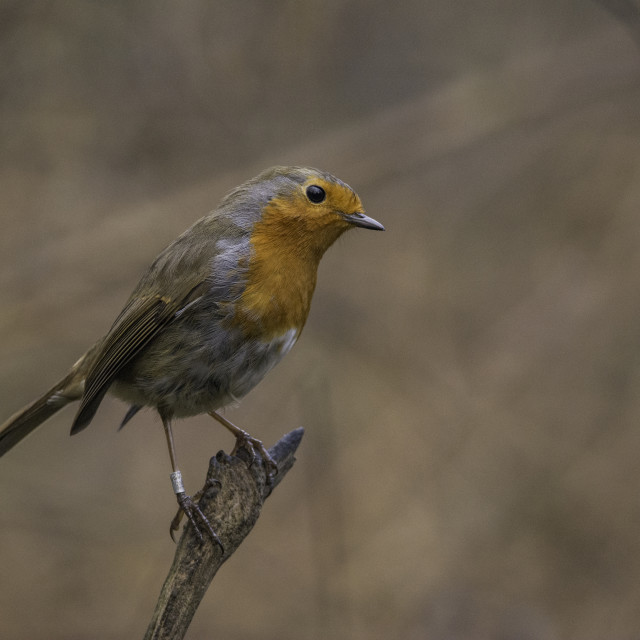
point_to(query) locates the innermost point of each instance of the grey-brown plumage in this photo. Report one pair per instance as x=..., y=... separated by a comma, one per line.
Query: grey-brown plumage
x=218, y=308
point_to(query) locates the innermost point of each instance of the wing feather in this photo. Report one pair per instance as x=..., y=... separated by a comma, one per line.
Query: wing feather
x=195, y=264
x=139, y=323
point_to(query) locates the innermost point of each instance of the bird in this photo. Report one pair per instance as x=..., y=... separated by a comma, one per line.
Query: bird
x=216, y=310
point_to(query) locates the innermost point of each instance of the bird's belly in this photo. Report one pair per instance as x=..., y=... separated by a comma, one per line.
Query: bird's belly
x=189, y=379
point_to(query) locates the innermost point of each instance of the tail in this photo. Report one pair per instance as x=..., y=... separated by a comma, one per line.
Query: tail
x=22, y=423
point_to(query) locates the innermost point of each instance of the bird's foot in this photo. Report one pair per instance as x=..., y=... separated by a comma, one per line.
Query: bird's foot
x=189, y=506
x=251, y=444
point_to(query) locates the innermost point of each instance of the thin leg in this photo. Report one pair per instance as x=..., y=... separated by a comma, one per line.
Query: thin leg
x=168, y=432
x=249, y=442
x=186, y=504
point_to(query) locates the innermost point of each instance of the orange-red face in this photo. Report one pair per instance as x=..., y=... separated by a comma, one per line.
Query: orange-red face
x=309, y=211
x=316, y=211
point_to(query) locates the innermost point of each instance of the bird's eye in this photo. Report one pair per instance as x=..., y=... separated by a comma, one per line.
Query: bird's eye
x=315, y=193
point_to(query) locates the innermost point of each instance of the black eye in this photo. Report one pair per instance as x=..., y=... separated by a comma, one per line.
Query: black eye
x=315, y=193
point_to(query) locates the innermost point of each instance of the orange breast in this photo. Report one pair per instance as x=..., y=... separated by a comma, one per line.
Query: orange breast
x=280, y=281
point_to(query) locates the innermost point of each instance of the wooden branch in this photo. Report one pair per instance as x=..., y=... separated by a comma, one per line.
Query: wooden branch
x=232, y=507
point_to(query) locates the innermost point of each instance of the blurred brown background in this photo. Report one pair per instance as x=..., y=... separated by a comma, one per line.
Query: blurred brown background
x=469, y=380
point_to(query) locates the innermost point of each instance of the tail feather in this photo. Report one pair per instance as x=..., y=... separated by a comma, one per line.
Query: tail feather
x=22, y=423
x=133, y=409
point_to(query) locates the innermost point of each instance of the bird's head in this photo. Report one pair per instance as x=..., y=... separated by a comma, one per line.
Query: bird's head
x=304, y=209
x=292, y=215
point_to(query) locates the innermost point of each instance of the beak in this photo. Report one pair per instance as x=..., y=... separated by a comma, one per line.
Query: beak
x=360, y=220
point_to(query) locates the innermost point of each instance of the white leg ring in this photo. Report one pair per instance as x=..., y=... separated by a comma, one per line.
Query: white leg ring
x=176, y=482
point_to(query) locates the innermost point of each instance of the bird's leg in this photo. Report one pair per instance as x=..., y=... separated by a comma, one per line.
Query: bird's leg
x=249, y=442
x=187, y=504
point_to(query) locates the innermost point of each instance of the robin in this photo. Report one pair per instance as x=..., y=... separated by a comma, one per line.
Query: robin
x=217, y=309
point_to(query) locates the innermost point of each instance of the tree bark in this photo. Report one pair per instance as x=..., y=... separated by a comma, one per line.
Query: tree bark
x=237, y=489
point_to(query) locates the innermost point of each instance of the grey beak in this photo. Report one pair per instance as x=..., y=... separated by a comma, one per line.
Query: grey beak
x=360, y=220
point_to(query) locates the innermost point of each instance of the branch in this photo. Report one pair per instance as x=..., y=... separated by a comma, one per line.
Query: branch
x=232, y=507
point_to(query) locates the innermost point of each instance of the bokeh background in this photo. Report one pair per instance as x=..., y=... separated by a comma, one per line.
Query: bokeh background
x=469, y=380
